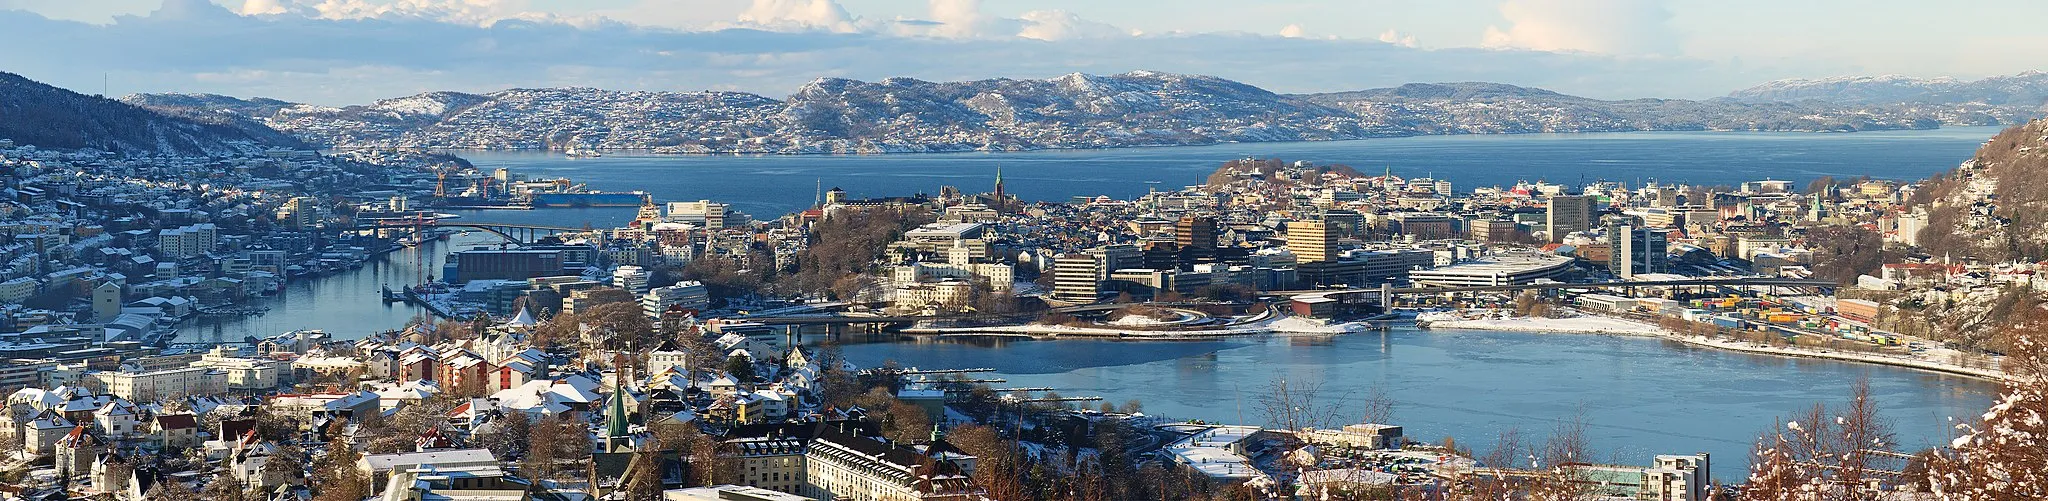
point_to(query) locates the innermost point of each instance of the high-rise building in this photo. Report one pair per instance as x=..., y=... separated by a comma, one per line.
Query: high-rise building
x=302, y=213
x=1634, y=250
x=1311, y=241
x=1077, y=277
x=1569, y=213
x=1196, y=232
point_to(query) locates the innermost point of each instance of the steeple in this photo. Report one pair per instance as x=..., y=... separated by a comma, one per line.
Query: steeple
x=618, y=436
x=999, y=183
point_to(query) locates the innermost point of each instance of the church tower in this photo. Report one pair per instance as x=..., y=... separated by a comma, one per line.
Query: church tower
x=618, y=434
x=999, y=185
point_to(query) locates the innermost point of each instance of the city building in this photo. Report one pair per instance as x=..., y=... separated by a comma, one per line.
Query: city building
x=1519, y=269
x=511, y=264
x=1634, y=250
x=1311, y=241
x=847, y=466
x=703, y=213
x=1078, y=276
x=688, y=295
x=1568, y=214
x=152, y=385
x=1196, y=237
x=631, y=278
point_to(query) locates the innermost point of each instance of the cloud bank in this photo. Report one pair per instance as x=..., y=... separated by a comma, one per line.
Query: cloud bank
x=352, y=51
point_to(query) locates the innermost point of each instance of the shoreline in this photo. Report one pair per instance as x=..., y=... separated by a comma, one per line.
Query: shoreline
x=1593, y=324
x=1262, y=324
x=652, y=151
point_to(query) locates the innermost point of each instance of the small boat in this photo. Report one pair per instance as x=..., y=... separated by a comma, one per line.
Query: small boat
x=574, y=152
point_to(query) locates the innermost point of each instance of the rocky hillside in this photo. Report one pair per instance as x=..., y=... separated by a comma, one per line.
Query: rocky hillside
x=37, y=114
x=1074, y=111
x=1994, y=206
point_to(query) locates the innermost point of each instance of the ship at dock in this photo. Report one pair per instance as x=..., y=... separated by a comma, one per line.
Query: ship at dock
x=503, y=189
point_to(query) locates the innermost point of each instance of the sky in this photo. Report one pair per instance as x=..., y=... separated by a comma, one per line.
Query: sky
x=338, y=52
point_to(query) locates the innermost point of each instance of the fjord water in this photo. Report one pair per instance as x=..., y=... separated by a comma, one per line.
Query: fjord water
x=1639, y=396
x=771, y=185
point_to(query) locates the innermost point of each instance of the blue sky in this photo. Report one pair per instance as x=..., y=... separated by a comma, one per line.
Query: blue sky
x=352, y=51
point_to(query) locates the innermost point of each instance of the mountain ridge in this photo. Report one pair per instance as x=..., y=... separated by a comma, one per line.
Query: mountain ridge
x=50, y=117
x=1076, y=110
x=2028, y=88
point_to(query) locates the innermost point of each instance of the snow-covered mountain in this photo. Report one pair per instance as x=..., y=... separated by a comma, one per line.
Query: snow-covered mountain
x=1142, y=108
x=2027, y=90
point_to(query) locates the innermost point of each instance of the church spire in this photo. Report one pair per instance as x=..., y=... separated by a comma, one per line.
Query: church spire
x=615, y=415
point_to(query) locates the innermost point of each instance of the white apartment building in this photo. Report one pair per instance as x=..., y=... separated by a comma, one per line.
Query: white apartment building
x=153, y=385
x=688, y=295
x=631, y=278
x=848, y=467
x=187, y=241
x=703, y=213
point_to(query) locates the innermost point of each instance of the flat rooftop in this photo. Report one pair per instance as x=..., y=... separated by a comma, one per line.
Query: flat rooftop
x=1209, y=452
x=1501, y=265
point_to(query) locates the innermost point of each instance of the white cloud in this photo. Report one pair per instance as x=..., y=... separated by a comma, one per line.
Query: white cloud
x=473, y=12
x=202, y=47
x=818, y=15
x=1293, y=31
x=1599, y=26
x=959, y=19
x=1054, y=25
x=261, y=7
x=1397, y=38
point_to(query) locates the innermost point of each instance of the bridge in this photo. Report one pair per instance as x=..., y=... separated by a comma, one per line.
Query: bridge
x=1697, y=282
x=995, y=317
x=801, y=320
x=517, y=233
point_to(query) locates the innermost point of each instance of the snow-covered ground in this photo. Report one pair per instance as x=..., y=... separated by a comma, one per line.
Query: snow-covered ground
x=1583, y=325
x=1590, y=324
x=1298, y=325
x=1139, y=321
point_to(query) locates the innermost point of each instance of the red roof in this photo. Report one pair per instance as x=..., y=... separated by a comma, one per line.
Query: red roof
x=176, y=421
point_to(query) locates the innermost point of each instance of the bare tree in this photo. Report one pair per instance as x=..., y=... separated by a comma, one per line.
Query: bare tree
x=1379, y=405
x=1863, y=437
x=1489, y=484
x=2005, y=455
x=1564, y=456
x=335, y=477
x=1294, y=406
x=1822, y=454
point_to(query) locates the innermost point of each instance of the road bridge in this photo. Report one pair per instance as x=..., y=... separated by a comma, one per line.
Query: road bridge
x=1699, y=282
x=513, y=232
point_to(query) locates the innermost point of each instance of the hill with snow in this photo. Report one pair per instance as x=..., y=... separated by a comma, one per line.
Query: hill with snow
x=1141, y=108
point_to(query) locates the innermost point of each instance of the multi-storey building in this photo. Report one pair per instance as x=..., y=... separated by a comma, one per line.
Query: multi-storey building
x=846, y=466
x=1567, y=214
x=1311, y=241
x=689, y=295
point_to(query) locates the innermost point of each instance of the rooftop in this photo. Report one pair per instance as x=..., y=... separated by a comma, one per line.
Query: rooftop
x=1209, y=452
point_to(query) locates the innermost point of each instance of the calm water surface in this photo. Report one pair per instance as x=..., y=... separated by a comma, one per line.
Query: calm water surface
x=1640, y=396
x=771, y=185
